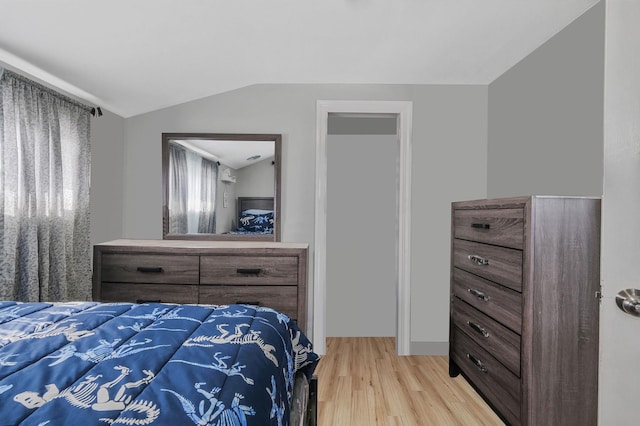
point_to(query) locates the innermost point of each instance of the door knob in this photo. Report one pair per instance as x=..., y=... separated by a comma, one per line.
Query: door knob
x=629, y=301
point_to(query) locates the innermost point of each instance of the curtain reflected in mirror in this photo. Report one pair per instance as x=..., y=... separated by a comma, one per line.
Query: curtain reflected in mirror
x=221, y=186
x=192, y=191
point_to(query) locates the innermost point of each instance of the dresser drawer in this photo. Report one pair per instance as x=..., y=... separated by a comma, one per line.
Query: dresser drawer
x=501, y=303
x=494, y=380
x=499, y=264
x=280, y=298
x=503, y=227
x=249, y=270
x=149, y=268
x=495, y=338
x=161, y=293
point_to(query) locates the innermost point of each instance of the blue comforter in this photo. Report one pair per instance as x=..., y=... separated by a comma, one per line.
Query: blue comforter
x=153, y=364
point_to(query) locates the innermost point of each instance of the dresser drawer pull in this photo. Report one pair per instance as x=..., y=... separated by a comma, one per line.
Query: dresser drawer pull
x=244, y=302
x=140, y=301
x=478, y=328
x=481, y=225
x=249, y=271
x=478, y=363
x=148, y=270
x=478, y=260
x=479, y=294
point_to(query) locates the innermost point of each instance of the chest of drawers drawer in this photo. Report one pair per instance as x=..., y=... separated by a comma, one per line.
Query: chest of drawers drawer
x=500, y=342
x=501, y=303
x=492, y=378
x=503, y=227
x=249, y=270
x=149, y=268
x=499, y=264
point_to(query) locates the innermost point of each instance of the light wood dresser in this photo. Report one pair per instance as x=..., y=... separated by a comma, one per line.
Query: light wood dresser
x=525, y=281
x=267, y=274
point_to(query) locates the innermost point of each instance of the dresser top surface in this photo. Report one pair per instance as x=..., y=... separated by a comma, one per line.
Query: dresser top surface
x=520, y=202
x=191, y=244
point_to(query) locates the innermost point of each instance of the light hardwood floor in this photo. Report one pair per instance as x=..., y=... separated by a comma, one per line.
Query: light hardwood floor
x=361, y=381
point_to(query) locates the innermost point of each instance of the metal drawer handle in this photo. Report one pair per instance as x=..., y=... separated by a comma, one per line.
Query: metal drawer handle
x=480, y=295
x=148, y=270
x=249, y=271
x=478, y=328
x=481, y=225
x=478, y=260
x=478, y=363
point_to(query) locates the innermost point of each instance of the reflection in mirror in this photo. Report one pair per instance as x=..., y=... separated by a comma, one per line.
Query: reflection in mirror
x=221, y=186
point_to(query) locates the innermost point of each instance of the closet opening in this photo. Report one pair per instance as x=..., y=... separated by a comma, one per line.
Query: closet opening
x=362, y=225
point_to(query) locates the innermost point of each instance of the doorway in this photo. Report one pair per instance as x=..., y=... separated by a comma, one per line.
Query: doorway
x=403, y=111
x=362, y=187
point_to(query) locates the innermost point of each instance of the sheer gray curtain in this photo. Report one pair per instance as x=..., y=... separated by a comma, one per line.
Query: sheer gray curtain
x=44, y=193
x=192, y=192
x=177, y=190
x=209, y=179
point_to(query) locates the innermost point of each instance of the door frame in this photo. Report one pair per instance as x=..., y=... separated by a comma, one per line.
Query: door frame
x=403, y=110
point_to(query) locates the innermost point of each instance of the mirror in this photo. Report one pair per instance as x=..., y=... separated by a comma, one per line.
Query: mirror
x=221, y=186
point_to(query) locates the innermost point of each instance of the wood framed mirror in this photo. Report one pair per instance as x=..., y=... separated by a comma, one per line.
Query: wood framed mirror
x=221, y=186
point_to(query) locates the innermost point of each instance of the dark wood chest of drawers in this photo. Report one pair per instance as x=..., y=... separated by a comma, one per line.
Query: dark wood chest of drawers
x=211, y=272
x=525, y=280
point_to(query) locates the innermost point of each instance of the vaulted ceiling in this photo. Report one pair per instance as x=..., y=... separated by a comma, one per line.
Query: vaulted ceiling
x=132, y=57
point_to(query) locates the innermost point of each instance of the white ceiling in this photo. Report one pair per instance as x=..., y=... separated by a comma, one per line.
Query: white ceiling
x=235, y=154
x=136, y=56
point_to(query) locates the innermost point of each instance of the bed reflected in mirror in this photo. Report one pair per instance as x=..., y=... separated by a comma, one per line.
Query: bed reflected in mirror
x=221, y=186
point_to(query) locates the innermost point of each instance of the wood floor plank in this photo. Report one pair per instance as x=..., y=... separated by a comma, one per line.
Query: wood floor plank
x=362, y=382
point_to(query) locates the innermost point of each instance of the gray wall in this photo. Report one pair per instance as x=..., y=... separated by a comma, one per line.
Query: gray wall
x=449, y=152
x=256, y=180
x=362, y=232
x=107, y=183
x=545, y=116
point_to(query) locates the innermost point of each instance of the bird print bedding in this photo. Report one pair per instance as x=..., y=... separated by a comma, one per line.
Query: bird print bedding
x=89, y=363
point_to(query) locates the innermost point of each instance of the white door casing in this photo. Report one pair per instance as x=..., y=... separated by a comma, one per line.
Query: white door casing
x=403, y=109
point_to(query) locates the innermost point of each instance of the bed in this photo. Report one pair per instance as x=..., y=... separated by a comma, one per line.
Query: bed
x=90, y=363
x=255, y=216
